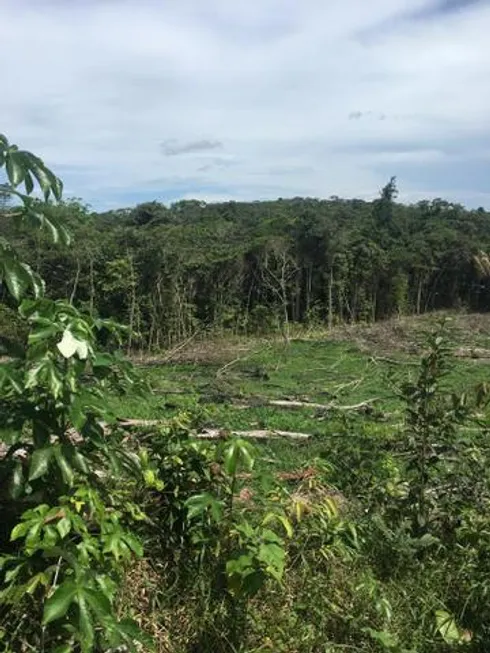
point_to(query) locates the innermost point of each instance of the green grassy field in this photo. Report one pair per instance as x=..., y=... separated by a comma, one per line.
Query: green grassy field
x=228, y=384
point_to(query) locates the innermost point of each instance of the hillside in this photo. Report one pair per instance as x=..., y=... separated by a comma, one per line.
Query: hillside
x=258, y=267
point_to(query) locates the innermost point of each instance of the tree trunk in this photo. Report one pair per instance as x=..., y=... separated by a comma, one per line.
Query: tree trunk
x=330, y=299
x=75, y=282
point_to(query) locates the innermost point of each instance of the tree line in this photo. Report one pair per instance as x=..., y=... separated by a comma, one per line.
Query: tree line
x=248, y=267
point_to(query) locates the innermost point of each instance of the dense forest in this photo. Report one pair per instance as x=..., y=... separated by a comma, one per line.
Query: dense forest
x=168, y=271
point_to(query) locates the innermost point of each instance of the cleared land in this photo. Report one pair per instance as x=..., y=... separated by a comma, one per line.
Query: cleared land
x=259, y=385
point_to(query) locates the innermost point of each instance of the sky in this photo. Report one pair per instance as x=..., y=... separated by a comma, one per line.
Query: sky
x=135, y=100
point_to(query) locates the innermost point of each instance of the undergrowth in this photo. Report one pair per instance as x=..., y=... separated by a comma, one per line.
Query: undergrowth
x=384, y=517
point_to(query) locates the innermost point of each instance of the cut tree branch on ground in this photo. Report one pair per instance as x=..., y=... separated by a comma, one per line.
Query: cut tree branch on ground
x=239, y=359
x=290, y=403
x=259, y=434
x=393, y=361
x=216, y=434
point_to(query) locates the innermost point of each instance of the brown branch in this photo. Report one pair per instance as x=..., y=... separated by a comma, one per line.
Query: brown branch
x=287, y=403
x=216, y=434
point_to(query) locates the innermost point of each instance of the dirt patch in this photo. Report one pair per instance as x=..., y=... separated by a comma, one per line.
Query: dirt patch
x=204, y=352
x=406, y=335
x=402, y=335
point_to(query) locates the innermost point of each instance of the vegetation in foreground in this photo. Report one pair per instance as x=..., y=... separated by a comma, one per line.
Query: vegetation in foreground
x=382, y=497
x=358, y=520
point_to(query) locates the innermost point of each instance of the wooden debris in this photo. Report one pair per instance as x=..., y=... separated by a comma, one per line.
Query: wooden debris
x=216, y=434
x=128, y=422
x=393, y=361
x=472, y=352
x=288, y=403
x=259, y=434
x=291, y=403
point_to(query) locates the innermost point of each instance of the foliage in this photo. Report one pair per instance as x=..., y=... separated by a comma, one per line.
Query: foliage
x=372, y=535
x=260, y=267
x=65, y=534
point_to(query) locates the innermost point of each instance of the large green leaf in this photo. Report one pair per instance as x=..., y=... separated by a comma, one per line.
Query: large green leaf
x=20, y=530
x=48, y=182
x=15, y=168
x=446, y=625
x=29, y=183
x=16, y=276
x=77, y=459
x=85, y=623
x=238, y=453
x=57, y=605
x=40, y=460
x=63, y=527
x=65, y=468
x=98, y=602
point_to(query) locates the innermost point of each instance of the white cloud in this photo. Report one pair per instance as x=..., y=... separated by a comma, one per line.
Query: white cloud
x=97, y=87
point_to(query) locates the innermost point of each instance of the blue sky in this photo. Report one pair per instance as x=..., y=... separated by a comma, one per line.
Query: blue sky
x=134, y=100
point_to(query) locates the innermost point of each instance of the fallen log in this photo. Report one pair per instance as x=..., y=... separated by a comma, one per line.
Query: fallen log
x=128, y=422
x=393, y=361
x=258, y=434
x=292, y=403
x=216, y=434
x=472, y=352
x=288, y=403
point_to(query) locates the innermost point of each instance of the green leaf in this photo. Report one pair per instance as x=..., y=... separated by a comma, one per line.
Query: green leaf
x=134, y=544
x=39, y=170
x=130, y=630
x=231, y=459
x=85, y=623
x=40, y=462
x=65, y=468
x=37, y=335
x=272, y=516
x=55, y=382
x=20, y=530
x=51, y=227
x=446, y=625
x=17, y=277
x=63, y=527
x=99, y=603
x=386, y=639
x=238, y=452
x=29, y=183
x=198, y=505
x=57, y=605
x=78, y=460
x=39, y=579
x=103, y=360
x=15, y=168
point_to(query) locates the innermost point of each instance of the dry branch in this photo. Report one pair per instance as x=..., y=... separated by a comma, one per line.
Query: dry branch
x=216, y=434
x=473, y=352
x=262, y=434
x=289, y=403
x=127, y=423
x=393, y=361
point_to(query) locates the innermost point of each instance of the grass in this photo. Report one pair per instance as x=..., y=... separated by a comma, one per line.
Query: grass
x=326, y=370
x=326, y=604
